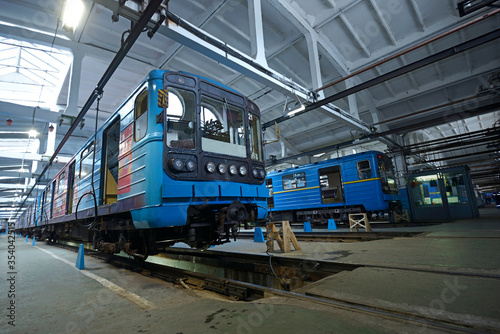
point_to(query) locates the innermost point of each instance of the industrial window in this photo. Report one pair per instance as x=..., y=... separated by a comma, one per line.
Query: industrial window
x=141, y=115
x=294, y=181
x=364, y=169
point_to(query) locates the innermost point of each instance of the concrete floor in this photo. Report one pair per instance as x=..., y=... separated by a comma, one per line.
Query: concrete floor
x=52, y=296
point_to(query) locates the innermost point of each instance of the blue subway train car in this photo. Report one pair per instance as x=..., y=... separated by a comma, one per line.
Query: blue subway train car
x=181, y=160
x=334, y=188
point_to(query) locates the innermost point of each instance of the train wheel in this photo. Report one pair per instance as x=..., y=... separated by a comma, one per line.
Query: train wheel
x=142, y=251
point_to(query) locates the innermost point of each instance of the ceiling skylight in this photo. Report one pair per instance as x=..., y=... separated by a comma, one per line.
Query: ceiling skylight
x=31, y=74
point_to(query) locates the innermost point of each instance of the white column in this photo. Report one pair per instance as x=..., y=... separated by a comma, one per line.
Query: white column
x=74, y=83
x=256, y=32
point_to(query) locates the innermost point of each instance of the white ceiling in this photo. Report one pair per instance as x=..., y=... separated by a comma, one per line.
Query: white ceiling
x=310, y=42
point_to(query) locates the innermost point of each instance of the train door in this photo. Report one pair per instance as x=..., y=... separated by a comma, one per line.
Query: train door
x=111, y=140
x=331, y=185
x=71, y=184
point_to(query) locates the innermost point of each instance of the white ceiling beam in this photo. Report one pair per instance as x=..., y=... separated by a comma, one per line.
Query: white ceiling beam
x=74, y=82
x=257, y=46
x=233, y=59
x=298, y=20
x=13, y=174
x=32, y=157
x=171, y=55
x=384, y=22
x=418, y=14
x=17, y=111
x=451, y=81
x=354, y=33
x=314, y=66
x=15, y=186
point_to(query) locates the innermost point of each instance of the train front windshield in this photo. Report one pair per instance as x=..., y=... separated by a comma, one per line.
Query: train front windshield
x=223, y=128
x=386, y=173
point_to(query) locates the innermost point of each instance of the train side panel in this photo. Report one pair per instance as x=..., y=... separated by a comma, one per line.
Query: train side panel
x=330, y=188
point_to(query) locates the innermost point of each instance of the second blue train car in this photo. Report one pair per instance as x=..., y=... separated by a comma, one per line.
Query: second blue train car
x=334, y=188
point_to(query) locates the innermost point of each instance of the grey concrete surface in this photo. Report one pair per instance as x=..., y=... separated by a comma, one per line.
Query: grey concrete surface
x=52, y=296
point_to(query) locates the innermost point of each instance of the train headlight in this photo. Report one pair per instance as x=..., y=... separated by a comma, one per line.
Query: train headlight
x=243, y=170
x=233, y=170
x=255, y=172
x=210, y=167
x=221, y=168
x=190, y=165
x=262, y=174
x=176, y=164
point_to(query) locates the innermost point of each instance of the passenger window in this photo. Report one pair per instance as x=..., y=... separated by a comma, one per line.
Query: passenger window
x=141, y=115
x=294, y=181
x=61, y=185
x=364, y=170
x=86, y=161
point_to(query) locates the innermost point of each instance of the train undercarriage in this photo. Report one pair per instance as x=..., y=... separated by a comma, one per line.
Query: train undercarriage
x=319, y=216
x=207, y=225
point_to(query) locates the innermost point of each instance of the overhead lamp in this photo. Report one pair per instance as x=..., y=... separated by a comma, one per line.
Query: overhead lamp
x=72, y=14
x=297, y=110
x=32, y=133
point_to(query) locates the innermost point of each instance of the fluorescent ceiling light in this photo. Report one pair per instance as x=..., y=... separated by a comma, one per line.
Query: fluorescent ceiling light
x=73, y=10
x=299, y=109
x=32, y=133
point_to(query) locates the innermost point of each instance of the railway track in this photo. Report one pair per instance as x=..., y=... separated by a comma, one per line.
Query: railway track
x=342, y=236
x=279, y=275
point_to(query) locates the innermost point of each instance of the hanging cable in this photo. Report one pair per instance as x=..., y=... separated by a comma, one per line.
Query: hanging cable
x=92, y=192
x=269, y=243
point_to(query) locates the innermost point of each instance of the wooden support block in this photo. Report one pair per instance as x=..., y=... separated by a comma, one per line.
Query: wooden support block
x=354, y=222
x=401, y=216
x=284, y=243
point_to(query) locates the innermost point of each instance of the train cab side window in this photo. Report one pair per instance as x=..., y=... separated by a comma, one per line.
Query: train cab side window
x=364, y=169
x=255, y=141
x=181, y=119
x=141, y=115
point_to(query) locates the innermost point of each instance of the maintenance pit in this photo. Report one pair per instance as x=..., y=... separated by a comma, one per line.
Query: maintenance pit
x=265, y=270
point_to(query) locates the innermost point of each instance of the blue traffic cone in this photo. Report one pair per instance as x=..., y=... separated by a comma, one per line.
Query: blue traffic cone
x=307, y=227
x=258, y=235
x=331, y=224
x=80, y=263
x=34, y=240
